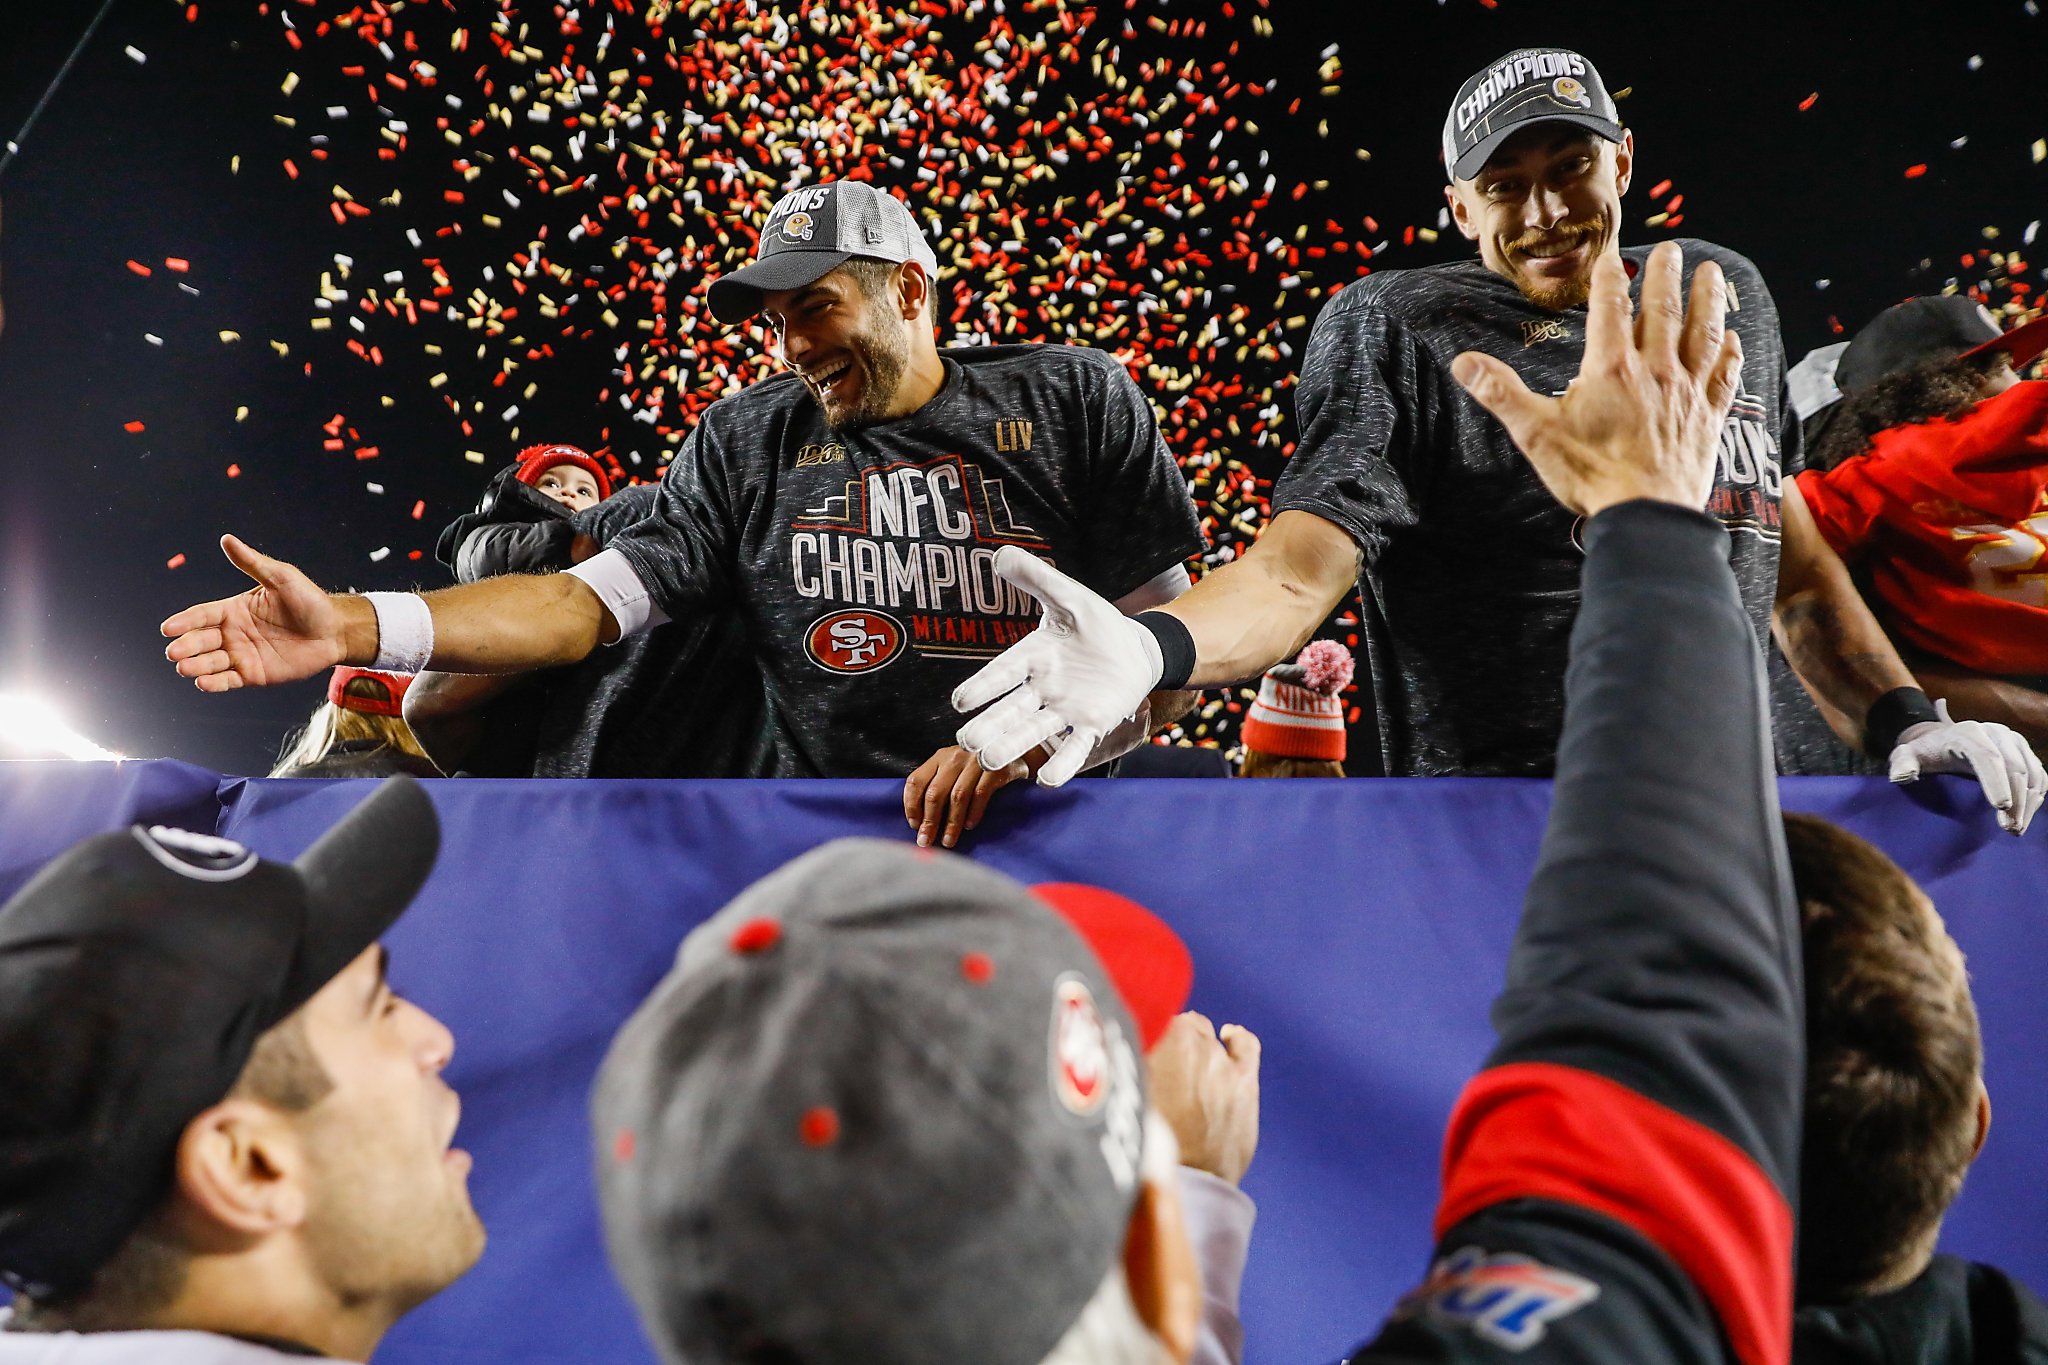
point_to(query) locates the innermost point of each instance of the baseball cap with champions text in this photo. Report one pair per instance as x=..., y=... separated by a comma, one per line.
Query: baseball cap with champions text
x=889, y=1105
x=136, y=972
x=1529, y=85
x=810, y=233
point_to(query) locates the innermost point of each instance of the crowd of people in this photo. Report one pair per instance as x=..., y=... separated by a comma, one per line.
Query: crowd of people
x=1593, y=539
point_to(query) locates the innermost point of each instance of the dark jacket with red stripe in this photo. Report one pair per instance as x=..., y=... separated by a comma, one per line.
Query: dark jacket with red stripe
x=1618, y=1180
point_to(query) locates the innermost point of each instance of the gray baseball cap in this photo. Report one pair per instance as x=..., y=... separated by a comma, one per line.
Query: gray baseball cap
x=811, y=232
x=887, y=1106
x=1529, y=85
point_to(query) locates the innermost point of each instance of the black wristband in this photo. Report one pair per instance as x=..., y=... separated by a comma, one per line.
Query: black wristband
x=1176, y=648
x=1891, y=715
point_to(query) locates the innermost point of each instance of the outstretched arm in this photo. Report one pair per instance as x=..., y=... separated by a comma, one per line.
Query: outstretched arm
x=287, y=628
x=1260, y=610
x=1856, y=677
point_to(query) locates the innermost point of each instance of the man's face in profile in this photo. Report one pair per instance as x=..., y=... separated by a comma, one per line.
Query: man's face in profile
x=389, y=1214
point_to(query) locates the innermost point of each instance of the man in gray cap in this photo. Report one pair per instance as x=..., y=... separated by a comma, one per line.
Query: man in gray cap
x=892, y=1106
x=1469, y=566
x=225, y=1141
x=851, y=509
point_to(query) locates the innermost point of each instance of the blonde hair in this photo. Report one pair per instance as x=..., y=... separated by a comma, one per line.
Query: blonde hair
x=331, y=726
x=1259, y=763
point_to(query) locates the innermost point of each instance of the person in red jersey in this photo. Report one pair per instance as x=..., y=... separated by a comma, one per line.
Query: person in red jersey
x=1932, y=478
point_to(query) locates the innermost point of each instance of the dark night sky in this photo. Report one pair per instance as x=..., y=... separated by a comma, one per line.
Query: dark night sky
x=131, y=161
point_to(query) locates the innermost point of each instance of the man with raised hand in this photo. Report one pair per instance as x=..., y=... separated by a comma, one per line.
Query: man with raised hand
x=1404, y=489
x=225, y=1139
x=1652, y=1005
x=850, y=509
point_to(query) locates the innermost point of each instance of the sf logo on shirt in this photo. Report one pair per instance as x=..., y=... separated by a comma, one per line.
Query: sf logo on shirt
x=853, y=641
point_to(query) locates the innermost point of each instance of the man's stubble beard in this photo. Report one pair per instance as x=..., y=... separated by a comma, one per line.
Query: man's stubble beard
x=377, y=1239
x=1557, y=296
x=884, y=356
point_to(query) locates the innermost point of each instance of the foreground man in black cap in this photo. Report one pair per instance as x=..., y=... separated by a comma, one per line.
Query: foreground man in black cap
x=1470, y=569
x=850, y=509
x=225, y=1141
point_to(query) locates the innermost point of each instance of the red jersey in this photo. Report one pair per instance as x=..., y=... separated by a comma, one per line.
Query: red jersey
x=1951, y=519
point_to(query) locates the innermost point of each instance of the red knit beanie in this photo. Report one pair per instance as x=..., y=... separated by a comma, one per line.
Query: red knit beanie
x=1298, y=713
x=535, y=461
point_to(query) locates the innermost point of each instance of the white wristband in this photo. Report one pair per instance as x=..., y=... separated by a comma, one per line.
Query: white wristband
x=405, y=631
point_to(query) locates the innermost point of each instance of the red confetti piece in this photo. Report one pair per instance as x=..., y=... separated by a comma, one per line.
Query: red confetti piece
x=1809, y=101
x=132, y=427
x=177, y=263
x=140, y=269
x=1915, y=172
x=1660, y=189
x=419, y=508
x=176, y=561
x=820, y=1127
x=234, y=471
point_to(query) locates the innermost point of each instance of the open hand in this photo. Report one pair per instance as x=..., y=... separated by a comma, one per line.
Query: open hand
x=283, y=629
x=1643, y=419
x=1087, y=668
x=950, y=792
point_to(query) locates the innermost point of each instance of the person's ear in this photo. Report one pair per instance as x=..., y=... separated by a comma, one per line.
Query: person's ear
x=1468, y=226
x=1983, y=1120
x=240, y=1167
x=1624, y=162
x=913, y=289
x=1159, y=1266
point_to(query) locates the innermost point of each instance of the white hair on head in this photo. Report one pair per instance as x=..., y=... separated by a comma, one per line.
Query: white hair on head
x=1109, y=1330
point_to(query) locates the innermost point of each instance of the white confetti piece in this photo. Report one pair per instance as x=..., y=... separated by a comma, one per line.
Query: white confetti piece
x=380, y=553
x=136, y=55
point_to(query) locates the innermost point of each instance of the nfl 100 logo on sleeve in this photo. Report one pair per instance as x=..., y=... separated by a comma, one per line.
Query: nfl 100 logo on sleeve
x=1507, y=1299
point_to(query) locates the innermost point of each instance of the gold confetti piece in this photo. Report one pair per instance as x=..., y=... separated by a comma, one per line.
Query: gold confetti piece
x=291, y=82
x=2040, y=150
x=241, y=414
x=473, y=456
x=230, y=336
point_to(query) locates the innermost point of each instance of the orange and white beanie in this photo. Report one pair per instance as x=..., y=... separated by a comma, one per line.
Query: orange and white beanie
x=1299, y=713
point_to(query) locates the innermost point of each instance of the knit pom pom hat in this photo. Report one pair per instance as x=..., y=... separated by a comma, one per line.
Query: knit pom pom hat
x=1299, y=713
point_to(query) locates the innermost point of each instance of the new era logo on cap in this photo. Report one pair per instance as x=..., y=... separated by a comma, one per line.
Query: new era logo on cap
x=1531, y=85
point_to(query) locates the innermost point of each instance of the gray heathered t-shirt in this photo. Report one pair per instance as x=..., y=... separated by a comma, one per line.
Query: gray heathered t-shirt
x=863, y=560
x=1471, y=578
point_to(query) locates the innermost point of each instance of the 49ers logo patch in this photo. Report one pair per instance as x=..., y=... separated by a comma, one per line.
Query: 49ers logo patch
x=1080, y=1048
x=853, y=641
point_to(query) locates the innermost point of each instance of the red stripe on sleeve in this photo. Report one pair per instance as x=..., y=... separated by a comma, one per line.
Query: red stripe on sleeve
x=1536, y=1130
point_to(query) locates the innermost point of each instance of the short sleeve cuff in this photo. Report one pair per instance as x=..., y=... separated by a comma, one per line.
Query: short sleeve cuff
x=611, y=576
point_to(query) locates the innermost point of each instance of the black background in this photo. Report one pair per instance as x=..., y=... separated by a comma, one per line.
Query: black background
x=132, y=161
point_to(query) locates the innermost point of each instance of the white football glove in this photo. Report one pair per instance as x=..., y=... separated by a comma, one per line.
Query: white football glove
x=2005, y=766
x=1087, y=670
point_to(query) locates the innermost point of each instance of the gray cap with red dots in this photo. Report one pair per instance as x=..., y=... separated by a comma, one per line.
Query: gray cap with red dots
x=888, y=1105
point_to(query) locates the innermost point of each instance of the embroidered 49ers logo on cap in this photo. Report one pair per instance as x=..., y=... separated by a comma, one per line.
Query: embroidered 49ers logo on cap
x=797, y=227
x=853, y=641
x=1571, y=90
x=1080, y=1048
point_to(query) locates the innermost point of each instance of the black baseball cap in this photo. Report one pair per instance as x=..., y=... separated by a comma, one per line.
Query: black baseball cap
x=1929, y=328
x=1529, y=85
x=136, y=972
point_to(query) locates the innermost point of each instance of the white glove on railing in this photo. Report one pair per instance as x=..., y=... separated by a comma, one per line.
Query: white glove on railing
x=1087, y=669
x=2005, y=766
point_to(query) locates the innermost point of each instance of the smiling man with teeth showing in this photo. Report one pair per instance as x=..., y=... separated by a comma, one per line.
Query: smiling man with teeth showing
x=1469, y=567
x=850, y=510
x=226, y=1140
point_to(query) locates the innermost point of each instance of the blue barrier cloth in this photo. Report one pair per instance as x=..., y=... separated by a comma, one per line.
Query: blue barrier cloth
x=1361, y=928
